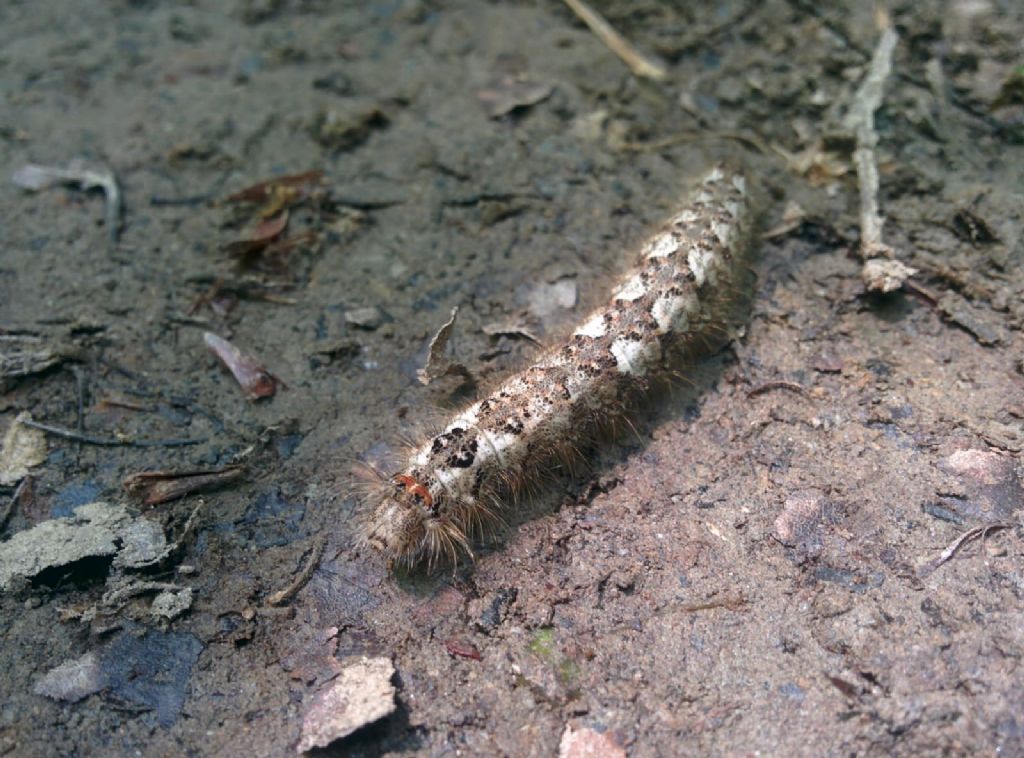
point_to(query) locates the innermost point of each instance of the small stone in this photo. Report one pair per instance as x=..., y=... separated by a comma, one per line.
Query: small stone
x=361, y=694
x=343, y=128
x=589, y=743
x=93, y=531
x=143, y=544
x=72, y=680
x=170, y=604
x=368, y=318
x=799, y=517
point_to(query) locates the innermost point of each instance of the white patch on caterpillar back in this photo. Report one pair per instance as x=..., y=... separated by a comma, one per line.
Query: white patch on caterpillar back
x=632, y=356
x=500, y=444
x=631, y=289
x=594, y=327
x=715, y=175
x=671, y=313
x=701, y=261
x=721, y=231
x=663, y=245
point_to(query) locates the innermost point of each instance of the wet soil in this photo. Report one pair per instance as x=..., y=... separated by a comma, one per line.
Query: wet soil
x=760, y=569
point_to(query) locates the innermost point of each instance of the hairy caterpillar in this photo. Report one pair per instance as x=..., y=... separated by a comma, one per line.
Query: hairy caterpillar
x=673, y=299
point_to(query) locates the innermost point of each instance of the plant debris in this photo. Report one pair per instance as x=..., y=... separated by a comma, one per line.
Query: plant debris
x=342, y=129
x=972, y=320
x=256, y=382
x=23, y=355
x=150, y=671
x=437, y=364
x=96, y=530
x=90, y=439
x=638, y=63
x=879, y=275
x=885, y=274
x=461, y=649
x=22, y=448
x=361, y=694
x=510, y=329
x=266, y=231
x=155, y=487
x=35, y=178
x=303, y=576
x=978, y=532
x=171, y=603
x=277, y=194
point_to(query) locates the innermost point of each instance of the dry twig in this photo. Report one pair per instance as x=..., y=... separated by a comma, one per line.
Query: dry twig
x=304, y=576
x=881, y=273
x=89, y=439
x=638, y=63
x=35, y=178
x=978, y=532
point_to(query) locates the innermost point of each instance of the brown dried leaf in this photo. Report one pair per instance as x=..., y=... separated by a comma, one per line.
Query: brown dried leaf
x=510, y=329
x=22, y=448
x=251, y=376
x=154, y=487
x=263, y=191
x=437, y=364
x=262, y=236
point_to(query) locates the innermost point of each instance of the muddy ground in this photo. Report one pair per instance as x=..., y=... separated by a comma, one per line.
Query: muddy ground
x=760, y=570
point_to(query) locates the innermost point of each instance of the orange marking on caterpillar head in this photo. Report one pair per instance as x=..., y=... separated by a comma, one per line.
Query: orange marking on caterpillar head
x=415, y=489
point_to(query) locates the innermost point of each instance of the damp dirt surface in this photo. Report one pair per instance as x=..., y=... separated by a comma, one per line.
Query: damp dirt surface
x=812, y=546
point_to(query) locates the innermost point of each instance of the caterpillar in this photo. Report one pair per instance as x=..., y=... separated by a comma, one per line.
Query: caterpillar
x=669, y=304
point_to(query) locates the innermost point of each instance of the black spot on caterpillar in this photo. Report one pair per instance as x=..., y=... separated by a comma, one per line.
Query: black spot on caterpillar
x=466, y=475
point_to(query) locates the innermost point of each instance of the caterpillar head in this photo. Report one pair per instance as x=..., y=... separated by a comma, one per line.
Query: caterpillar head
x=406, y=527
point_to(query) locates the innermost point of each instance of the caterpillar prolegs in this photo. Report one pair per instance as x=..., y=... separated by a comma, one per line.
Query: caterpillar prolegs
x=673, y=300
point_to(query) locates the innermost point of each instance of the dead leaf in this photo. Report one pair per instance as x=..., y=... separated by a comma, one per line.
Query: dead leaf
x=35, y=178
x=155, y=487
x=264, y=233
x=22, y=448
x=437, y=364
x=509, y=329
x=263, y=191
x=251, y=376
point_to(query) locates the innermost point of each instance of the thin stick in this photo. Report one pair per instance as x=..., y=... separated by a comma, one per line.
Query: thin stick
x=9, y=508
x=638, y=63
x=304, y=576
x=80, y=391
x=89, y=439
x=954, y=547
x=861, y=122
x=750, y=140
x=880, y=272
x=776, y=385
